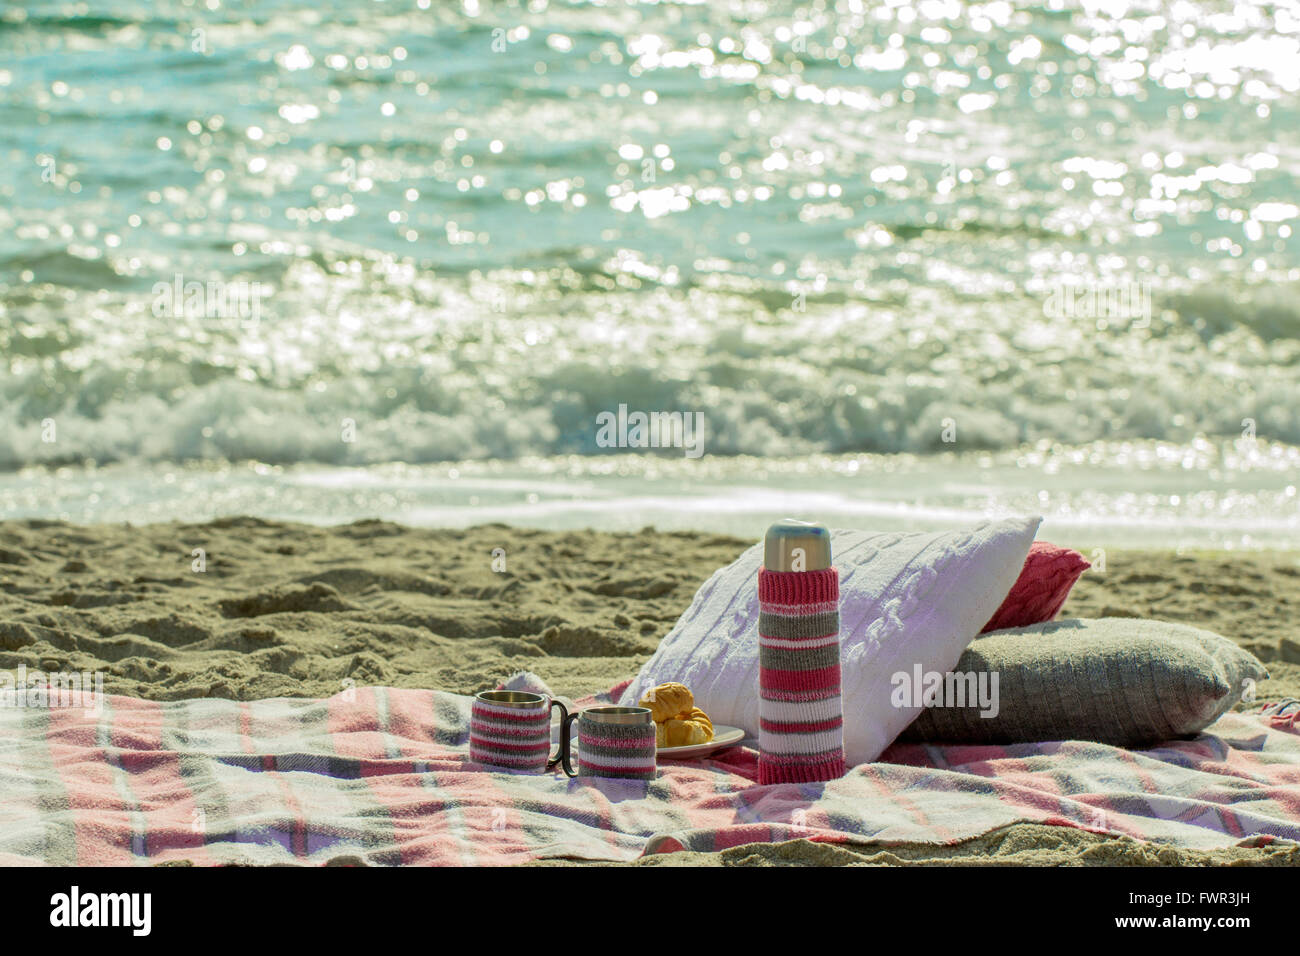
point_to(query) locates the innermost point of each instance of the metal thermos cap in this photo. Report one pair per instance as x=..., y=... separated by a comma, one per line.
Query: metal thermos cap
x=792, y=545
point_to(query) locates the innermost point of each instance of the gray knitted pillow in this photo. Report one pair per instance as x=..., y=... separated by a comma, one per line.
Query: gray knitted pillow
x=1122, y=681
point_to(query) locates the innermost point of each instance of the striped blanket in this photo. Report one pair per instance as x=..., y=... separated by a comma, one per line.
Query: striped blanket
x=383, y=775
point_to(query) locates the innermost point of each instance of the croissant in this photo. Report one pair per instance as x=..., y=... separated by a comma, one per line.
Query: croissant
x=697, y=716
x=667, y=701
x=684, y=730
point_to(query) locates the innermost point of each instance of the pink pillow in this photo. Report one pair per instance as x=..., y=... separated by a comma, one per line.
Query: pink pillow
x=1041, y=589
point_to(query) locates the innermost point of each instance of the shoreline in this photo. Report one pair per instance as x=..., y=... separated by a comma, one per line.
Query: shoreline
x=1202, y=495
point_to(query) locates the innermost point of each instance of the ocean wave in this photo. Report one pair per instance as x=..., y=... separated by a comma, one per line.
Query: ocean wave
x=896, y=383
x=480, y=228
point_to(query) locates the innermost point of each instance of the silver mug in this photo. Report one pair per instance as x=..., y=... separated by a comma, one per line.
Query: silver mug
x=612, y=742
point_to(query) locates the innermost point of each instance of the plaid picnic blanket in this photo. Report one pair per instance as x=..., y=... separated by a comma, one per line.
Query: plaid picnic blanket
x=383, y=774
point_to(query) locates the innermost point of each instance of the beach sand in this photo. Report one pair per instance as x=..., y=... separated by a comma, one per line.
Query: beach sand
x=296, y=610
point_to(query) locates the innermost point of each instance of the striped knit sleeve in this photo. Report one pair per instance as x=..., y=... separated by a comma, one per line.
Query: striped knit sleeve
x=801, y=724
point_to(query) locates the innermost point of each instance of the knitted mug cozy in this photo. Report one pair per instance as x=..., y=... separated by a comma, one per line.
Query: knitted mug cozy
x=612, y=741
x=800, y=715
x=511, y=729
x=616, y=750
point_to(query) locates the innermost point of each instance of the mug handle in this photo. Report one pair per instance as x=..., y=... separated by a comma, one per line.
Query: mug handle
x=563, y=755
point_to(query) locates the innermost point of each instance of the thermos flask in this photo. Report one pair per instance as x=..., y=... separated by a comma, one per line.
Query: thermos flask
x=801, y=723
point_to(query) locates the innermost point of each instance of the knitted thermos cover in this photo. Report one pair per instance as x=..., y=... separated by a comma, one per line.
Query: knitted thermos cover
x=800, y=721
x=616, y=750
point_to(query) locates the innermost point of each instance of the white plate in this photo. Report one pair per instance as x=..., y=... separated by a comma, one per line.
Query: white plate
x=723, y=736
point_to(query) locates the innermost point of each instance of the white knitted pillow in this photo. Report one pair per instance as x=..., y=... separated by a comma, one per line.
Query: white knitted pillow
x=906, y=598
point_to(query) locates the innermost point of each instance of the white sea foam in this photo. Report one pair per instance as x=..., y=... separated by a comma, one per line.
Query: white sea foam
x=1145, y=494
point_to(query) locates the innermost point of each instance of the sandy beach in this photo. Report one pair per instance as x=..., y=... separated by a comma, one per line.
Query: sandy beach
x=298, y=610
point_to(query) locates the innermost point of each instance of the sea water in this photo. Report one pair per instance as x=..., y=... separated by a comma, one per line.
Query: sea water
x=311, y=259
x=1151, y=494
